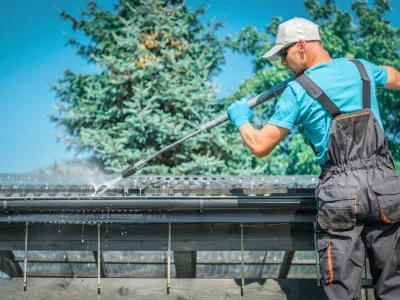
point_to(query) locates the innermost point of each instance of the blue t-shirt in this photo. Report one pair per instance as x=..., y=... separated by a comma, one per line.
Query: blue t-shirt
x=341, y=81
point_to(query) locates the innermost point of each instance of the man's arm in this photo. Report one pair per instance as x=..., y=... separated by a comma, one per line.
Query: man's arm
x=393, y=80
x=262, y=142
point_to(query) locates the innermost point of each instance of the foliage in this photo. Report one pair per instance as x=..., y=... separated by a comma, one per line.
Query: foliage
x=362, y=33
x=157, y=60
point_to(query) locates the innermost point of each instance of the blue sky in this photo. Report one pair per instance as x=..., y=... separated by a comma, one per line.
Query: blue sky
x=33, y=54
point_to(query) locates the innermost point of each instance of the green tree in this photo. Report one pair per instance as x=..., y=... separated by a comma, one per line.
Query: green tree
x=362, y=32
x=157, y=60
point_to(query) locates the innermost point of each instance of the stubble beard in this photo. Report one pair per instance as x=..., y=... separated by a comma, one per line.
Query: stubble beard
x=297, y=69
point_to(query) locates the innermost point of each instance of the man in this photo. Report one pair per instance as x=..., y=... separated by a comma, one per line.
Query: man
x=358, y=195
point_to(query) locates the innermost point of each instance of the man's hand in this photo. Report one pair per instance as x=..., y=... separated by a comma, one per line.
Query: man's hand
x=239, y=113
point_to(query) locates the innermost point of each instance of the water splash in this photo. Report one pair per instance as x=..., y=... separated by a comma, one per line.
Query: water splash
x=83, y=228
x=106, y=186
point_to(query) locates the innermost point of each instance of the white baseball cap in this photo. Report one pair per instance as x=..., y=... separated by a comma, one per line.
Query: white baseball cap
x=291, y=32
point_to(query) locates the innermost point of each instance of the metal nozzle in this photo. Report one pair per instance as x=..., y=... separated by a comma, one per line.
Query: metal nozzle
x=133, y=169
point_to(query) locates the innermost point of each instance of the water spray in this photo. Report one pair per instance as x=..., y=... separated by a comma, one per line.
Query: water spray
x=107, y=186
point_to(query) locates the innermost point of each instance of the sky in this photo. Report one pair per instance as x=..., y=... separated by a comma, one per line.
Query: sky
x=33, y=55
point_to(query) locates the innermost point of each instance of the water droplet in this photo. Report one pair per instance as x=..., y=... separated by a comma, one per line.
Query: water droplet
x=83, y=228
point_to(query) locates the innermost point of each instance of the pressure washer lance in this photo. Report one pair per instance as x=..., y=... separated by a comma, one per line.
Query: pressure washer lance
x=253, y=102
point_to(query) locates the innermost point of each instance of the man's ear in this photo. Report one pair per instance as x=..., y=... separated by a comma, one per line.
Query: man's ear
x=301, y=44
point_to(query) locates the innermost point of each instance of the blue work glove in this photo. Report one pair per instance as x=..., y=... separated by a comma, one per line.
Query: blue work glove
x=239, y=113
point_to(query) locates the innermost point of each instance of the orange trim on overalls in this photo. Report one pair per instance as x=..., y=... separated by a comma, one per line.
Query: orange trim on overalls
x=381, y=214
x=330, y=264
x=384, y=218
x=351, y=116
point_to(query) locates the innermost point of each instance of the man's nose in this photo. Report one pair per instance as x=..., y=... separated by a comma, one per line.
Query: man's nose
x=283, y=62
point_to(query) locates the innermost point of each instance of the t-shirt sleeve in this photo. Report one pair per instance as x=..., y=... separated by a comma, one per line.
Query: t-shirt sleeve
x=380, y=74
x=286, y=111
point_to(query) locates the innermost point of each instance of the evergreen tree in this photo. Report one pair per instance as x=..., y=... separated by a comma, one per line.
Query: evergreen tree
x=157, y=61
x=362, y=32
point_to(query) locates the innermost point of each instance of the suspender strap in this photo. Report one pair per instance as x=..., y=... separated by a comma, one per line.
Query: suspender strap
x=366, y=84
x=317, y=93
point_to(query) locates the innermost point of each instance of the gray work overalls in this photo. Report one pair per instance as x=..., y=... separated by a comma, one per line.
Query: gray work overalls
x=358, y=201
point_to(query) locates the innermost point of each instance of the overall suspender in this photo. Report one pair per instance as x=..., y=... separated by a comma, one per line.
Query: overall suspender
x=318, y=94
x=366, y=84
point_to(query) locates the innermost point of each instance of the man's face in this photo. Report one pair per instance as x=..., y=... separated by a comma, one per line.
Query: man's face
x=294, y=60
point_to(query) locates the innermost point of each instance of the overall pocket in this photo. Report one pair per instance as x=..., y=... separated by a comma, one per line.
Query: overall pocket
x=388, y=199
x=337, y=207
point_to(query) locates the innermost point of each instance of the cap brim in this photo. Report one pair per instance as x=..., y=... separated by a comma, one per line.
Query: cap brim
x=272, y=54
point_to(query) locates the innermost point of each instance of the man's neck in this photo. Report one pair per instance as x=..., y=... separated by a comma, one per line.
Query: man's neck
x=317, y=58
